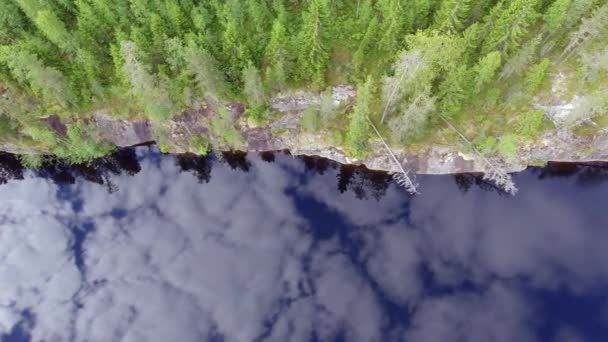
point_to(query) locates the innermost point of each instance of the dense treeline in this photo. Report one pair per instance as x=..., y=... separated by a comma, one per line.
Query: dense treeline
x=413, y=61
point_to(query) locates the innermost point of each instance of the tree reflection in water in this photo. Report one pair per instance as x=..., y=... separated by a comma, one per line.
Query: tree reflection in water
x=364, y=183
x=277, y=254
x=237, y=160
x=10, y=168
x=588, y=174
x=200, y=166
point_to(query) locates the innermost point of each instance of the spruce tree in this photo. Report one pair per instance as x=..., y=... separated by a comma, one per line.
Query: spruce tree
x=313, y=54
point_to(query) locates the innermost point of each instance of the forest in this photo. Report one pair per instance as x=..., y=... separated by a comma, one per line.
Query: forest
x=425, y=70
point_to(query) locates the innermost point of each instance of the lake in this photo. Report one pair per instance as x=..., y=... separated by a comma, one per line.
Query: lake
x=149, y=247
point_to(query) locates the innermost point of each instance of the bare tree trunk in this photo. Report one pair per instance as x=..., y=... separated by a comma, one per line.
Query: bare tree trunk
x=495, y=173
x=390, y=98
x=401, y=177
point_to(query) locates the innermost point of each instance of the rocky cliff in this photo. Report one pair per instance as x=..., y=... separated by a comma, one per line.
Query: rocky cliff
x=560, y=144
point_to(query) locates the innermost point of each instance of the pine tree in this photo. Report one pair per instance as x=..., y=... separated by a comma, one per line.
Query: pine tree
x=454, y=91
x=236, y=53
x=47, y=82
x=511, y=26
x=278, y=57
x=358, y=134
x=365, y=45
x=391, y=25
x=536, y=76
x=30, y=8
x=453, y=15
x=555, y=14
x=486, y=70
x=175, y=15
x=55, y=30
x=313, y=55
x=12, y=22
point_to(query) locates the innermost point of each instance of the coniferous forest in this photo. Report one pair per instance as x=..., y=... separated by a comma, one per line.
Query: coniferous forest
x=424, y=70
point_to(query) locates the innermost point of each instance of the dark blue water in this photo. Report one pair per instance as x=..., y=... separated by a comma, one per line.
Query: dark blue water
x=144, y=247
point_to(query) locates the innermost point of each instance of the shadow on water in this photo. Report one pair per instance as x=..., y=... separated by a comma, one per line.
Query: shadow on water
x=10, y=168
x=364, y=183
x=199, y=166
x=466, y=181
x=588, y=174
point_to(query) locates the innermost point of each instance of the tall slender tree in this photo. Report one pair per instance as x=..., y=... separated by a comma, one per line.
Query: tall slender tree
x=313, y=54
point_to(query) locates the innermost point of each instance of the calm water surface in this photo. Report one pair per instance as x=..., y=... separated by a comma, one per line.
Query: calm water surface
x=145, y=247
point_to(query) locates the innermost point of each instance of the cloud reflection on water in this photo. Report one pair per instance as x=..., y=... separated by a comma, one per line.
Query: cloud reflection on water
x=278, y=254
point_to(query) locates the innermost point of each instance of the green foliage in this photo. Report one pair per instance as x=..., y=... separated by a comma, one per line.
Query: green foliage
x=537, y=163
x=82, y=146
x=313, y=54
x=453, y=15
x=522, y=59
x=508, y=146
x=487, y=145
x=12, y=22
x=555, y=14
x=253, y=88
x=46, y=82
x=42, y=135
x=257, y=115
x=164, y=148
x=311, y=120
x=327, y=110
x=530, y=123
x=486, y=69
x=536, y=75
x=201, y=145
x=511, y=25
x=365, y=45
x=359, y=131
x=278, y=57
x=413, y=119
x=203, y=67
x=474, y=61
x=31, y=161
x=150, y=90
x=55, y=30
x=224, y=132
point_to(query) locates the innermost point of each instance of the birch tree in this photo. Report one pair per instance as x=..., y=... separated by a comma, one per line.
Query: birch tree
x=411, y=121
x=407, y=68
x=205, y=70
x=589, y=29
x=253, y=88
x=146, y=87
x=521, y=60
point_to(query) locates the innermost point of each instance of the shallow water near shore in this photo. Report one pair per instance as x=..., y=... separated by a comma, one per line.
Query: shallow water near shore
x=142, y=246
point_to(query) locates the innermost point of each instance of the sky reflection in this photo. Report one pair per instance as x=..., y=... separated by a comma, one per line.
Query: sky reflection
x=194, y=250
